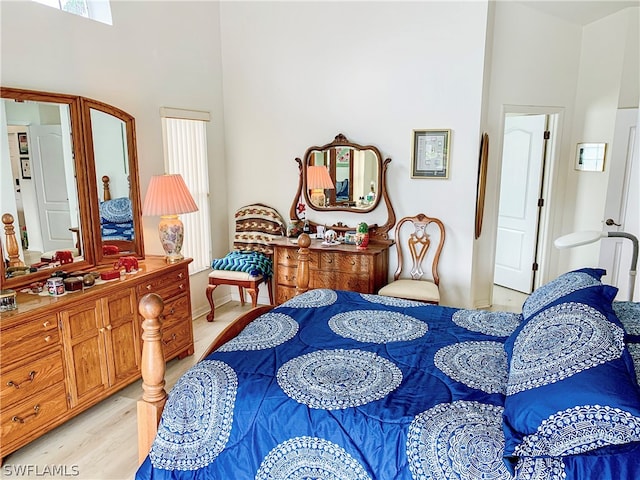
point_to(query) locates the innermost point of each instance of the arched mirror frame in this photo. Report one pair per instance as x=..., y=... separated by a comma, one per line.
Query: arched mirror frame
x=378, y=232
x=133, y=247
x=87, y=187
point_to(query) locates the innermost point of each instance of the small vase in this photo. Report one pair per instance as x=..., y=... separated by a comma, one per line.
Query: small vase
x=362, y=240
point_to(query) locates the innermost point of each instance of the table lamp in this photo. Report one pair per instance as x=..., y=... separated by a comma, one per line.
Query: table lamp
x=577, y=239
x=168, y=196
x=318, y=180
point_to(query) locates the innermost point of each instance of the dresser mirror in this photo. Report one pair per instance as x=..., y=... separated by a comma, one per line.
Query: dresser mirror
x=344, y=176
x=115, y=177
x=54, y=146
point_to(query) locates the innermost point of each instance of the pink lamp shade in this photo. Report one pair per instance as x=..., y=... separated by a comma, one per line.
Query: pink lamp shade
x=318, y=180
x=168, y=196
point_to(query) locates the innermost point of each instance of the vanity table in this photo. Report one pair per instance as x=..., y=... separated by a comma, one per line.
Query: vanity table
x=340, y=267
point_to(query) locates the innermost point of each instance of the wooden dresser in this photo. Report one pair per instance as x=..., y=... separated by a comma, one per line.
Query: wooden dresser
x=61, y=355
x=340, y=267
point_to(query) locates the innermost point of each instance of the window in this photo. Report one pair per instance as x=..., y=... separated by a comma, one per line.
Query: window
x=98, y=10
x=185, y=152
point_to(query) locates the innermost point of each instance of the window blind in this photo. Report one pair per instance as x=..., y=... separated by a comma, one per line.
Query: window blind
x=185, y=152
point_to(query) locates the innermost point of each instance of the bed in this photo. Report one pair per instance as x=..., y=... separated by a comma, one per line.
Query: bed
x=116, y=221
x=341, y=385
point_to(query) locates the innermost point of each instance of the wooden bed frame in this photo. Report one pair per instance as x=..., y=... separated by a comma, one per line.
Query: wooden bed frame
x=153, y=365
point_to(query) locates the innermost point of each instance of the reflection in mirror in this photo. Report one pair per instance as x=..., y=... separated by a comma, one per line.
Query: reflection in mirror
x=111, y=160
x=114, y=177
x=41, y=194
x=354, y=174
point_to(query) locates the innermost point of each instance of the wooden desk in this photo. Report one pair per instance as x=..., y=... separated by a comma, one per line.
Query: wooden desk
x=340, y=267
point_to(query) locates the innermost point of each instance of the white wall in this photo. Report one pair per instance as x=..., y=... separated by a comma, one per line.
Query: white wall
x=540, y=61
x=155, y=54
x=298, y=73
x=534, y=63
x=608, y=80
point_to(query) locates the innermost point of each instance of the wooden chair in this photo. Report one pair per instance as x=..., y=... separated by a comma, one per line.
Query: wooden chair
x=416, y=238
x=250, y=263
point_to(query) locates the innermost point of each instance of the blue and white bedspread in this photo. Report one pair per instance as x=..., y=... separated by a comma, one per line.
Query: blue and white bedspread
x=340, y=385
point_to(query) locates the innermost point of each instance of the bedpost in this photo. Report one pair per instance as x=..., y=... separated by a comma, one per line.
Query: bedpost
x=153, y=368
x=11, y=242
x=302, y=284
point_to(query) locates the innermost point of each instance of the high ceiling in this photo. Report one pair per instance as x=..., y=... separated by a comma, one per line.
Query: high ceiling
x=580, y=12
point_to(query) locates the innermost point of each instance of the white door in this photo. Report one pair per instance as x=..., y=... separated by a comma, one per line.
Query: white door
x=520, y=186
x=622, y=204
x=47, y=161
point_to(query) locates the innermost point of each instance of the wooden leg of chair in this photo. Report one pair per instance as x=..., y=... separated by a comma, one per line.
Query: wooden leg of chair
x=241, y=290
x=253, y=292
x=209, y=294
x=270, y=288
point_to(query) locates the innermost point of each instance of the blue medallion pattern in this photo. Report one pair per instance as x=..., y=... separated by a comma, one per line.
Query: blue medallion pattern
x=377, y=326
x=634, y=350
x=629, y=315
x=481, y=365
x=552, y=291
x=320, y=297
x=559, y=342
x=310, y=458
x=461, y=440
x=337, y=379
x=498, y=324
x=196, y=421
x=268, y=331
x=391, y=301
x=580, y=429
x=542, y=468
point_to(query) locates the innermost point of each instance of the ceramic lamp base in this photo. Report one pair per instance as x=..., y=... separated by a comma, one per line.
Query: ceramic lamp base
x=171, y=233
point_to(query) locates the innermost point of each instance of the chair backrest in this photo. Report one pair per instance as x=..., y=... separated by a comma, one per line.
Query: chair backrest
x=256, y=226
x=416, y=238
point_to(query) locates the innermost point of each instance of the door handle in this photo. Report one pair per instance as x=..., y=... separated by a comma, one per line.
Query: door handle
x=611, y=221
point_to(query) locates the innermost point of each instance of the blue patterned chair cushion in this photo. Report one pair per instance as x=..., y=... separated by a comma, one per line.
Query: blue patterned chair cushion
x=571, y=383
x=252, y=263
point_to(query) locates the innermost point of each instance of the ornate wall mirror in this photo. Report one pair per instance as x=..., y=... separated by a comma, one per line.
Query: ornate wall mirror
x=49, y=195
x=344, y=176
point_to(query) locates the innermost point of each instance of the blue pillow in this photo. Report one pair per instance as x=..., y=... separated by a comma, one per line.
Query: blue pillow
x=571, y=384
x=561, y=286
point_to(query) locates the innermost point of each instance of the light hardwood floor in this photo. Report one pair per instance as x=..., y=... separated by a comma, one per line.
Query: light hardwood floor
x=101, y=443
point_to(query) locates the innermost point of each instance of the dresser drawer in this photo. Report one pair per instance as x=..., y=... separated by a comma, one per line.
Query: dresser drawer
x=18, y=383
x=340, y=281
x=30, y=337
x=284, y=293
x=167, y=285
x=288, y=257
x=23, y=419
x=341, y=262
x=286, y=275
x=175, y=339
x=176, y=311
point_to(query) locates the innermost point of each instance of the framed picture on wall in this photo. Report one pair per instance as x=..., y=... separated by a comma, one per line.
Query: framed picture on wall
x=23, y=145
x=430, y=154
x=590, y=157
x=25, y=166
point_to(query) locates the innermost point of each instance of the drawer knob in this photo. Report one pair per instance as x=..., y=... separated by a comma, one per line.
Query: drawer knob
x=109, y=327
x=32, y=375
x=330, y=260
x=353, y=262
x=181, y=275
x=148, y=287
x=16, y=418
x=46, y=324
x=172, y=311
x=47, y=338
x=181, y=287
x=167, y=342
